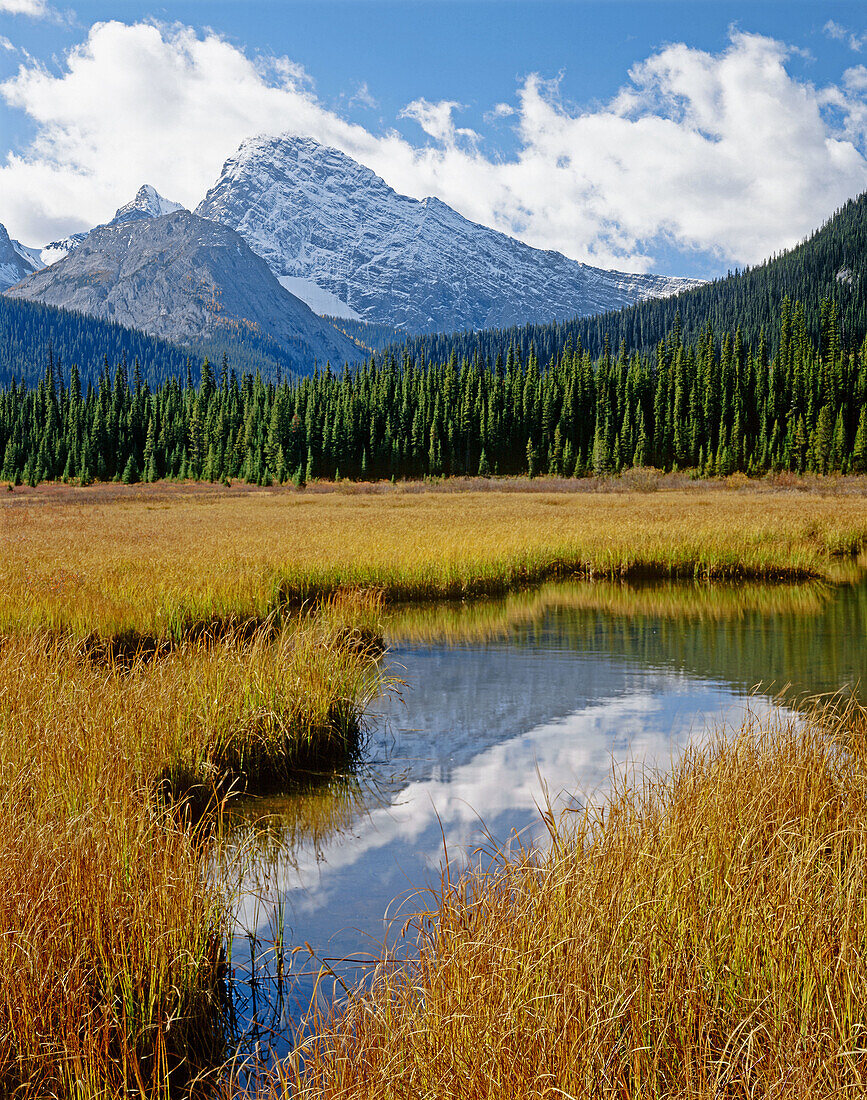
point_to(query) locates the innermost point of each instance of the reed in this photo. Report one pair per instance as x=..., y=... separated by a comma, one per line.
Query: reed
x=111, y=925
x=161, y=564
x=702, y=935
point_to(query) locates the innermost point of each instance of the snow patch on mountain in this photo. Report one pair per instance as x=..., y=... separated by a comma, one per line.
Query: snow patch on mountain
x=320, y=301
x=313, y=213
x=58, y=249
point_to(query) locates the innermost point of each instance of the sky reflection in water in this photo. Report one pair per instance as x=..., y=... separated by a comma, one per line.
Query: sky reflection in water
x=482, y=729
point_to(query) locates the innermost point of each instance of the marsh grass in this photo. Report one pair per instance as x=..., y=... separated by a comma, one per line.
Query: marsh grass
x=168, y=564
x=110, y=953
x=111, y=926
x=704, y=934
x=163, y=650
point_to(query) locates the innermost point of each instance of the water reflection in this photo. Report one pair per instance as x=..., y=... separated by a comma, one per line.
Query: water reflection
x=506, y=701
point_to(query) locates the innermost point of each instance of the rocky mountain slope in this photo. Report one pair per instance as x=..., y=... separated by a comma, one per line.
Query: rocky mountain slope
x=340, y=238
x=186, y=279
x=16, y=261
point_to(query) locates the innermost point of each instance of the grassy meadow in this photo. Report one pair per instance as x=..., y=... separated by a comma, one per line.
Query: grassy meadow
x=165, y=647
x=112, y=952
x=158, y=561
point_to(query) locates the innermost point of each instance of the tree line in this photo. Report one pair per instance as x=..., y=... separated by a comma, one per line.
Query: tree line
x=714, y=404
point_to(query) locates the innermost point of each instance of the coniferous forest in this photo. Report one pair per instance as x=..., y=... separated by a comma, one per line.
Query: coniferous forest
x=715, y=404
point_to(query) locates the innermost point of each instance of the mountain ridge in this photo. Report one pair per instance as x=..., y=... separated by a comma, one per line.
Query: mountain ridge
x=316, y=215
x=830, y=263
x=148, y=203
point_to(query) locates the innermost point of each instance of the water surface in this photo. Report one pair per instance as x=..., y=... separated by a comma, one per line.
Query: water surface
x=507, y=705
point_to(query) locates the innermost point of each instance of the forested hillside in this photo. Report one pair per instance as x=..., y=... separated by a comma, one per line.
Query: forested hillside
x=30, y=333
x=832, y=263
x=367, y=334
x=712, y=404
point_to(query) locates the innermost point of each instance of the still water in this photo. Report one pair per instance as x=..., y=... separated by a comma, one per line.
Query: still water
x=505, y=706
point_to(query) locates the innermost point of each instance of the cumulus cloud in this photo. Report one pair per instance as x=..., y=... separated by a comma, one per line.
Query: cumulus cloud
x=23, y=7
x=724, y=152
x=36, y=9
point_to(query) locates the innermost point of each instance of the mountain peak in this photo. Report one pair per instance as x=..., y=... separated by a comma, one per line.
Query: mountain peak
x=148, y=203
x=330, y=226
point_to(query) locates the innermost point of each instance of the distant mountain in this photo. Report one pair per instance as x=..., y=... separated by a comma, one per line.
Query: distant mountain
x=339, y=237
x=56, y=250
x=148, y=203
x=187, y=280
x=831, y=263
x=16, y=261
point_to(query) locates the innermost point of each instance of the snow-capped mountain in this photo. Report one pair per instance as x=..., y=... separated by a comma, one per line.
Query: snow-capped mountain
x=186, y=279
x=342, y=240
x=16, y=260
x=148, y=203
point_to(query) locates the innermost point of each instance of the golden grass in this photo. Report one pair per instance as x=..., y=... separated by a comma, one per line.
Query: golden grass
x=111, y=929
x=158, y=563
x=151, y=646
x=705, y=935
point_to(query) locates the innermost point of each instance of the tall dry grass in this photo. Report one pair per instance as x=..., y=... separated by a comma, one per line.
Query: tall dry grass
x=704, y=935
x=111, y=928
x=159, y=564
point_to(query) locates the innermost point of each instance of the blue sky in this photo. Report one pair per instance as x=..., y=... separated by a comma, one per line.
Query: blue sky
x=684, y=137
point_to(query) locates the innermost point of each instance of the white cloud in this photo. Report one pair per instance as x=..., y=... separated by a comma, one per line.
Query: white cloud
x=36, y=9
x=5, y=44
x=723, y=152
x=436, y=120
x=363, y=97
x=840, y=33
x=499, y=111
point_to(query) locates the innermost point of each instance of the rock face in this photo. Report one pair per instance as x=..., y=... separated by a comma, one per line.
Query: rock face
x=16, y=261
x=185, y=279
x=325, y=223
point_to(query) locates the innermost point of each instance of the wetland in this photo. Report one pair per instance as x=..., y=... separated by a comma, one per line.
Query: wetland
x=260, y=781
